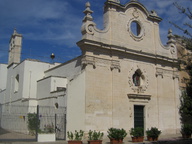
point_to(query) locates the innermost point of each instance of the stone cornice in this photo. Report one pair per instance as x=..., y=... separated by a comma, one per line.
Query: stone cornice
x=164, y=72
x=139, y=96
x=96, y=61
x=88, y=44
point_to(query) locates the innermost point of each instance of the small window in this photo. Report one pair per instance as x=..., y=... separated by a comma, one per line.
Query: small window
x=61, y=89
x=56, y=105
x=16, y=83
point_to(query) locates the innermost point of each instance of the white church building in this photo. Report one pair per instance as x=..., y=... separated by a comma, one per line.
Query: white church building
x=124, y=78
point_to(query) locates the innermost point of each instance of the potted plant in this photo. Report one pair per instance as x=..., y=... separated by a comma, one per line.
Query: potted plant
x=186, y=130
x=47, y=134
x=76, y=137
x=116, y=135
x=95, y=137
x=137, y=134
x=153, y=134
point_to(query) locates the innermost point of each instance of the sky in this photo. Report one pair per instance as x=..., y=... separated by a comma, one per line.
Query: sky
x=54, y=26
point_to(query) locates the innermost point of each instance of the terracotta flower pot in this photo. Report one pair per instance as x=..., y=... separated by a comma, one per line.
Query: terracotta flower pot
x=137, y=139
x=186, y=136
x=152, y=138
x=94, y=141
x=113, y=141
x=74, y=142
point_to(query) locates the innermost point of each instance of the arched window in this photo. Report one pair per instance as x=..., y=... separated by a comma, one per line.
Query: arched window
x=138, y=78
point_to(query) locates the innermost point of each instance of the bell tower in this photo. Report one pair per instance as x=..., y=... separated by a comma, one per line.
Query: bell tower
x=15, y=48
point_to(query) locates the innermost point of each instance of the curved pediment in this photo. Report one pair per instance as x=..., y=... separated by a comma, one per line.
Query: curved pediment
x=131, y=27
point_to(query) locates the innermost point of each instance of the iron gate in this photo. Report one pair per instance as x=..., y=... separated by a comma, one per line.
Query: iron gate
x=14, y=122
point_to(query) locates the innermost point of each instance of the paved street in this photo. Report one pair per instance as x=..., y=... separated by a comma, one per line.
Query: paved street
x=12, y=138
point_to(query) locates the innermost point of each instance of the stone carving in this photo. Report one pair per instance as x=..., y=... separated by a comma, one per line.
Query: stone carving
x=153, y=13
x=87, y=13
x=171, y=42
x=135, y=13
x=88, y=60
x=145, y=82
x=175, y=74
x=94, y=61
x=159, y=72
x=173, y=49
x=115, y=65
x=164, y=72
x=116, y=1
x=88, y=24
x=89, y=27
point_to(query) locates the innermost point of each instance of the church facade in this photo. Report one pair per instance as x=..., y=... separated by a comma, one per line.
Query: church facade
x=131, y=79
x=124, y=78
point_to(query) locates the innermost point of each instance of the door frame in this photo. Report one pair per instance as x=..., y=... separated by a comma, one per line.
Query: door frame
x=144, y=115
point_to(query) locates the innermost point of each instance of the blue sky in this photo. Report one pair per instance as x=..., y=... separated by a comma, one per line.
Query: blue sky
x=54, y=26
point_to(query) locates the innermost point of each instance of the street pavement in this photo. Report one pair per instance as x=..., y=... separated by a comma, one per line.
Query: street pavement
x=172, y=139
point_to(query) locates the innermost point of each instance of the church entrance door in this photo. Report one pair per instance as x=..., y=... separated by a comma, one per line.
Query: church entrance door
x=138, y=116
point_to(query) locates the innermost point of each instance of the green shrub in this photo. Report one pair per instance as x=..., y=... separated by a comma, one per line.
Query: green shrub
x=76, y=135
x=186, y=129
x=137, y=132
x=153, y=132
x=117, y=134
x=93, y=135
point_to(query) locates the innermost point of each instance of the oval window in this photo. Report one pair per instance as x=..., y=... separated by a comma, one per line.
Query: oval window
x=135, y=28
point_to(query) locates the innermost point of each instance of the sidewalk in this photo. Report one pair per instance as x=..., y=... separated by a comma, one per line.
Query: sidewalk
x=162, y=139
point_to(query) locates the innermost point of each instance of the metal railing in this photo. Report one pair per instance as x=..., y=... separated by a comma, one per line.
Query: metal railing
x=14, y=121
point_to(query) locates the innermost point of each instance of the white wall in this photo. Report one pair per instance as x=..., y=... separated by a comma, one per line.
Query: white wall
x=3, y=76
x=68, y=69
x=76, y=103
x=29, y=72
x=3, y=81
x=47, y=88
